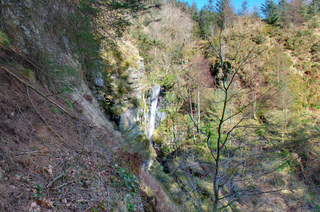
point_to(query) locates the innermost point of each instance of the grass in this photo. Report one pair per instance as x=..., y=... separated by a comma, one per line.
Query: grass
x=54, y=110
x=69, y=104
x=4, y=39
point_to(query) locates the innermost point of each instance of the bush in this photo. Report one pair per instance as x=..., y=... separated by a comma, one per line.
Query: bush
x=136, y=102
x=259, y=39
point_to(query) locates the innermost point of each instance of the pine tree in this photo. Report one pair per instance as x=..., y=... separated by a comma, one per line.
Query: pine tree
x=194, y=11
x=314, y=7
x=271, y=12
x=224, y=13
x=244, y=11
x=283, y=11
x=206, y=19
x=255, y=12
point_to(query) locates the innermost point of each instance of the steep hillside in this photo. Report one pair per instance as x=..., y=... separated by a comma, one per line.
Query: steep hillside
x=125, y=106
x=58, y=150
x=52, y=157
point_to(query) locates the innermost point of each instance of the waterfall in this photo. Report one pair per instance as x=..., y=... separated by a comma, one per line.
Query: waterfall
x=153, y=110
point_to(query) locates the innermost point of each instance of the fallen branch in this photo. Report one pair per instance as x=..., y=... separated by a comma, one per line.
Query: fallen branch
x=33, y=88
x=2, y=45
x=61, y=175
x=55, y=179
x=63, y=185
x=46, y=121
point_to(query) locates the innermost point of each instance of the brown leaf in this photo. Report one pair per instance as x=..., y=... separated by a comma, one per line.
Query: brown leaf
x=32, y=206
x=45, y=149
x=49, y=203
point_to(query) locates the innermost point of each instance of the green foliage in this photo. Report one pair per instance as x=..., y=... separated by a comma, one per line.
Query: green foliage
x=122, y=86
x=206, y=20
x=259, y=39
x=244, y=11
x=314, y=23
x=224, y=13
x=136, y=102
x=145, y=43
x=4, y=39
x=39, y=189
x=26, y=72
x=260, y=132
x=157, y=171
x=125, y=179
x=266, y=135
x=271, y=11
x=315, y=49
x=69, y=104
x=54, y=110
x=130, y=204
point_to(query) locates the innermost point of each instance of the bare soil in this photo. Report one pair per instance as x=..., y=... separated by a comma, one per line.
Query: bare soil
x=50, y=161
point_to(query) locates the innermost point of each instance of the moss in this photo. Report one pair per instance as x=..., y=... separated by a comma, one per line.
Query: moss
x=136, y=142
x=136, y=102
x=26, y=72
x=122, y=88
x=157, y=136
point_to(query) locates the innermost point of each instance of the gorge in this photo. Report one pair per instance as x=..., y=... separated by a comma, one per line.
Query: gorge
x=159, y=106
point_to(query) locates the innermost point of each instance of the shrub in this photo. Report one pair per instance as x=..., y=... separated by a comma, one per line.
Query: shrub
x=259, y=39
x=135, y=101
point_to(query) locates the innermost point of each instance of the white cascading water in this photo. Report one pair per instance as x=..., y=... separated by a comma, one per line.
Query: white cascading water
x=153, y=111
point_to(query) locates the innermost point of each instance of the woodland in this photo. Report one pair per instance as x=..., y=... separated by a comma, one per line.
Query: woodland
x=235, y=124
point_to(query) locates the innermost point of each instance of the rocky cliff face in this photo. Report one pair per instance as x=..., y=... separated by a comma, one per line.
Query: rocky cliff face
x=44, y=46
x=115, y=86
x=125, y=101
x=34, y=28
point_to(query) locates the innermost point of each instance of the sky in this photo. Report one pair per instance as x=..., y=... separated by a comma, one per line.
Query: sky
x=236, y=3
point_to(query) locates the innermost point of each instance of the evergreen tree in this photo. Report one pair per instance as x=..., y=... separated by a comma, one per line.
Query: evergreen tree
x=224, y=13
x=206, y=19
x=270, y=11
x=244, y=11
x=194, y=11
x=283, y=11
x=255, y=12
x=314, y=7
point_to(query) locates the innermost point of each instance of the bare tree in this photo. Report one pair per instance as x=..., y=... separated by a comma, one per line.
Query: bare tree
x=238, y=157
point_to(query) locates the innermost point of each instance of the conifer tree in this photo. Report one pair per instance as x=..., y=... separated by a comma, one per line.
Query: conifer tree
x=271, y=12
x=224, y=13
x=244, y=11
x=194, y=11
x=206, y=19
x=314, y=7
x=255, y=12
x=283, y=7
